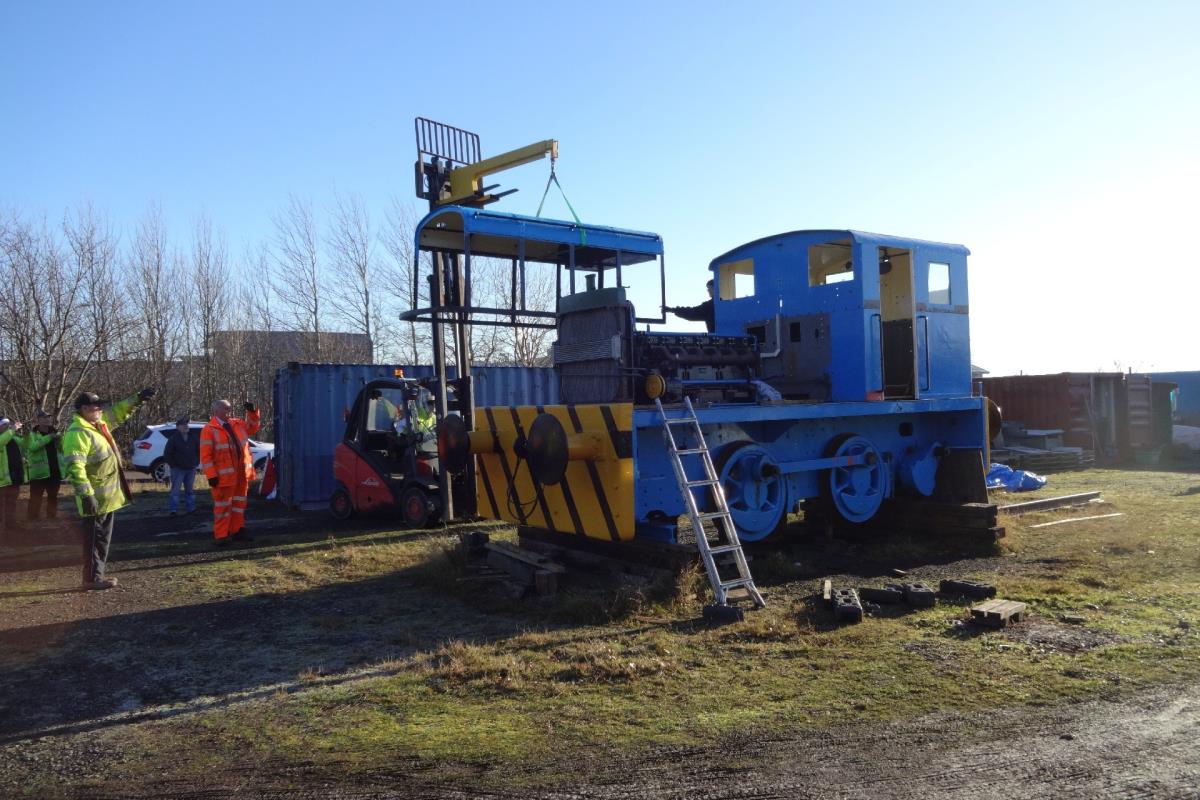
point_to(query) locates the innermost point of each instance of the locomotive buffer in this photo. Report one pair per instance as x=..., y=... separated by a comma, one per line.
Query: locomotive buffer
x=724, y=549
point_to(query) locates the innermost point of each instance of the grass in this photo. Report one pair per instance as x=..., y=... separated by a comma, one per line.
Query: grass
x=627, y=666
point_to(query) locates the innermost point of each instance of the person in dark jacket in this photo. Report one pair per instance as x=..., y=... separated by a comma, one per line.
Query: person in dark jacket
x=12, y=475
x=701, y=313
x=43, y=453
x=182, y=455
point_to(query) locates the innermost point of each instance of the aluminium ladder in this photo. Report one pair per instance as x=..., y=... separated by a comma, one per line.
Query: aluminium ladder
x=725, y=543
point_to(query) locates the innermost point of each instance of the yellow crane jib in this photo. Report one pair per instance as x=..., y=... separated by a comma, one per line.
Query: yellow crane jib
x=466, y=182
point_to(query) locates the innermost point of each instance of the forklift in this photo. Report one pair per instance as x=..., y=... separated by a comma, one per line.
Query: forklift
x=388, y=457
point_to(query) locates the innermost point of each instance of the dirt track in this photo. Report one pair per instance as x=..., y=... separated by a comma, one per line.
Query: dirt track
x=1143, y=747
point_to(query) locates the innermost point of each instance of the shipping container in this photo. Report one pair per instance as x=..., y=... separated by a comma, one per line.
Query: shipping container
x=1187, y=395
x=311, y=401
x=1110, y=413
x=1086, y=406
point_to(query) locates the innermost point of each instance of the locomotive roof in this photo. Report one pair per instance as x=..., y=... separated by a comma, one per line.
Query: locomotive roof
x=498, y=234
x=859, y=236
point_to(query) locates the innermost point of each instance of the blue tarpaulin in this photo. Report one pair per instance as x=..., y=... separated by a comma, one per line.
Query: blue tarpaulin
x=1015, y=480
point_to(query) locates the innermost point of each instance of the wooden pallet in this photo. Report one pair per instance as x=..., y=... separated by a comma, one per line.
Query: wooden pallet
x=998, y=613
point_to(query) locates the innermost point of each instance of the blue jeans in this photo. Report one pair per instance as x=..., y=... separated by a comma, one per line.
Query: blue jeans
x=184, y=478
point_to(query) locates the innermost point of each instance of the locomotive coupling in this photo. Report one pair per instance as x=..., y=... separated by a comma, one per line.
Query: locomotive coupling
x=456, y=444
x=549, y=447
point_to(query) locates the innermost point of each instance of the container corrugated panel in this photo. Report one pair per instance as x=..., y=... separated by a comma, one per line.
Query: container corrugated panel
x=311, y=401
x=1039, y=401
x=1187, y=397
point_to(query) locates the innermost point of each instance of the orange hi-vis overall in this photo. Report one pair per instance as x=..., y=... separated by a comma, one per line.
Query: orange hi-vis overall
x=228, y=460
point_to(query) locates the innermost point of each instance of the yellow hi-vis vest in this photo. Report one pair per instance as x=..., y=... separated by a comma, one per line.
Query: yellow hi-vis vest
x=93, y=465
x=5, y=438
x=39, y=449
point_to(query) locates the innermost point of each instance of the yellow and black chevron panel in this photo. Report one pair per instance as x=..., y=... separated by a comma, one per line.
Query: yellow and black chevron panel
x=594, y=499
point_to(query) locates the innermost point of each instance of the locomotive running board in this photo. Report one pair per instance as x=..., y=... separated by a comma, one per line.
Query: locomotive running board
x=725, y=543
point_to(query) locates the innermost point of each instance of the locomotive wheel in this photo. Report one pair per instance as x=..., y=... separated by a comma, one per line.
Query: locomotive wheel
x=856, y=492
x=340, y=504
x=754, y=490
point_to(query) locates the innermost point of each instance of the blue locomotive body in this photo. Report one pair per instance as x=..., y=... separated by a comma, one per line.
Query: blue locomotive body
x=866, y=338
x=837, y=369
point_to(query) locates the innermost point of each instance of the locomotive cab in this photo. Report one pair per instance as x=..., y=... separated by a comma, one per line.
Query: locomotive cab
x=846, y=315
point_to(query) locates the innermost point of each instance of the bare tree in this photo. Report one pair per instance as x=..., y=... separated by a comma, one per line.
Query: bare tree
x=407, y=342
x=298, y=269
x=494, y=287
x=350, y=243
x=530, y=347
x=210, y=297
x=157, y=293
x=54, y=327
x=107, y=320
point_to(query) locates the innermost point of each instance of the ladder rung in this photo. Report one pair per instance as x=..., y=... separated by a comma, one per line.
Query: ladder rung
x=736, y=582
x=705, y=482
x=723, y=548
x=691, y=451
x=683, y=421
x=703, y=515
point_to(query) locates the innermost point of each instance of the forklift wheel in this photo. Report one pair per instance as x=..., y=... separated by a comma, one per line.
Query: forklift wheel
x=340, y=504
x=416, y=507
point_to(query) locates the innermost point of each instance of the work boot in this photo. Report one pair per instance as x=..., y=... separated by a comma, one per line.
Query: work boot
x=101, y=583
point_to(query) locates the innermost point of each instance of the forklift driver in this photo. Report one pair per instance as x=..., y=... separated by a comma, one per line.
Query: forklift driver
x=419, y=417
x=424, y=418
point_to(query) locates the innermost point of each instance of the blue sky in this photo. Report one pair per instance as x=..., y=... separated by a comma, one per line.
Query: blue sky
x=1058, y=141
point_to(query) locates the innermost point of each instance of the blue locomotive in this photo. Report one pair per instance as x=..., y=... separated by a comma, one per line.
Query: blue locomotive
x=837, y=371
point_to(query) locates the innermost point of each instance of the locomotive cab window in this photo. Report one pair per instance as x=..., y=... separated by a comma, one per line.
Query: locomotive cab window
x=939, y=283
x=830, y=262
x=736, y=279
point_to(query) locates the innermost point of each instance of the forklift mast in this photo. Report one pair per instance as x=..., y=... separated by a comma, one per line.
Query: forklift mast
x=449, y=171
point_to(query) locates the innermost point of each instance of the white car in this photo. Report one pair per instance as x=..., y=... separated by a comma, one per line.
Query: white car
x=148, y=450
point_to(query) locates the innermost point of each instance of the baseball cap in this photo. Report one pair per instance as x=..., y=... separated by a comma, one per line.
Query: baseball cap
x=89, y=399
x=5, y=421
